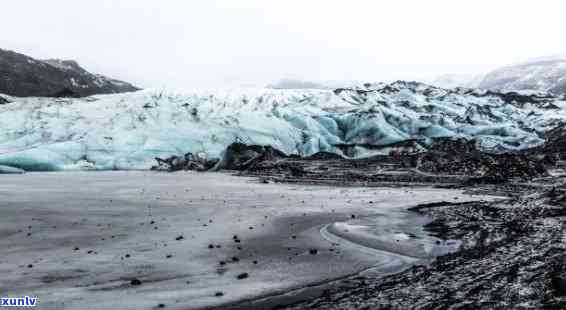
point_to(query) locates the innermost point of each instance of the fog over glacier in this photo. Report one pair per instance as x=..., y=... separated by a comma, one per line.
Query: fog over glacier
x=223, y=43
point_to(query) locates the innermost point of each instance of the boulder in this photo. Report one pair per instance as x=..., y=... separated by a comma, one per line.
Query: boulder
x=185, y=162
x=239, y=156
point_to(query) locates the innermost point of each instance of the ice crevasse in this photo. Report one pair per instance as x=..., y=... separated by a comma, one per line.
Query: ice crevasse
x=127, y=131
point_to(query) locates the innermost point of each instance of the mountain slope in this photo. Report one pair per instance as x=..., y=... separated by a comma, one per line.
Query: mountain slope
x=24, y=76
x=543, y=74
x=126, y=131
x=539, y=75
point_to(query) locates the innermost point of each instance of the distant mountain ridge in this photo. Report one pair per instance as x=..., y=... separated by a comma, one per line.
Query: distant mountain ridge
x=548, y=75
x=542, y=74
x=24, y=76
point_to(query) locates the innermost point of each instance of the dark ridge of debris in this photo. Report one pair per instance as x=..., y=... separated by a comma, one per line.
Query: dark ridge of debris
x=427, y=206
x=556, y=141
x=186, y=162
x=442, y=161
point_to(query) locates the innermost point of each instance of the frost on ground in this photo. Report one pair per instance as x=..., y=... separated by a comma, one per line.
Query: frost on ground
x=135, y=240
x=126, y=131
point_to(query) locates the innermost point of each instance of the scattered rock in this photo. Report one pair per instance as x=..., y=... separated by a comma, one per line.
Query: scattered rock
x=242, y=276
x=135, y=282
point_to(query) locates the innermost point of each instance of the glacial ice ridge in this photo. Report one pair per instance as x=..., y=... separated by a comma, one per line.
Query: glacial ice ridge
x=127, y=131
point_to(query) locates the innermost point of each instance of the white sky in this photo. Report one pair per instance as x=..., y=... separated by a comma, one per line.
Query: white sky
x=206, y=43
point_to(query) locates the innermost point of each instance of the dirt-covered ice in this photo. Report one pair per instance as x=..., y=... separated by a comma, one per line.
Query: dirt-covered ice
x=135, y=240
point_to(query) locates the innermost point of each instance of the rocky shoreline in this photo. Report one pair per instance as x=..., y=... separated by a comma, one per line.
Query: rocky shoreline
x=512, y=256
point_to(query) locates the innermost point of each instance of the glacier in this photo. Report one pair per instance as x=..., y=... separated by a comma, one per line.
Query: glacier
x=127, y=131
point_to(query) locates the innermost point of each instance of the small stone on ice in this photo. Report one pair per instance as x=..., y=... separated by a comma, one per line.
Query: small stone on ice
x=242, y=276
x=135, y=281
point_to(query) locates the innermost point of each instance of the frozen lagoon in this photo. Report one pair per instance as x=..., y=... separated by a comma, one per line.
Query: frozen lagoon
x=86, y=235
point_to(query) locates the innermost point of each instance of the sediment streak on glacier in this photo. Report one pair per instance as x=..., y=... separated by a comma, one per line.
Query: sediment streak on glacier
x=126, y=131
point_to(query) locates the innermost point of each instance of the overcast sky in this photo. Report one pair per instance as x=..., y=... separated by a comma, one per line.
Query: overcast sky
x=209, y=43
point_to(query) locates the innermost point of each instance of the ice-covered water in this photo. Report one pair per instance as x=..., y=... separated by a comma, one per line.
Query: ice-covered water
x=86, y=235
x=126, y=131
